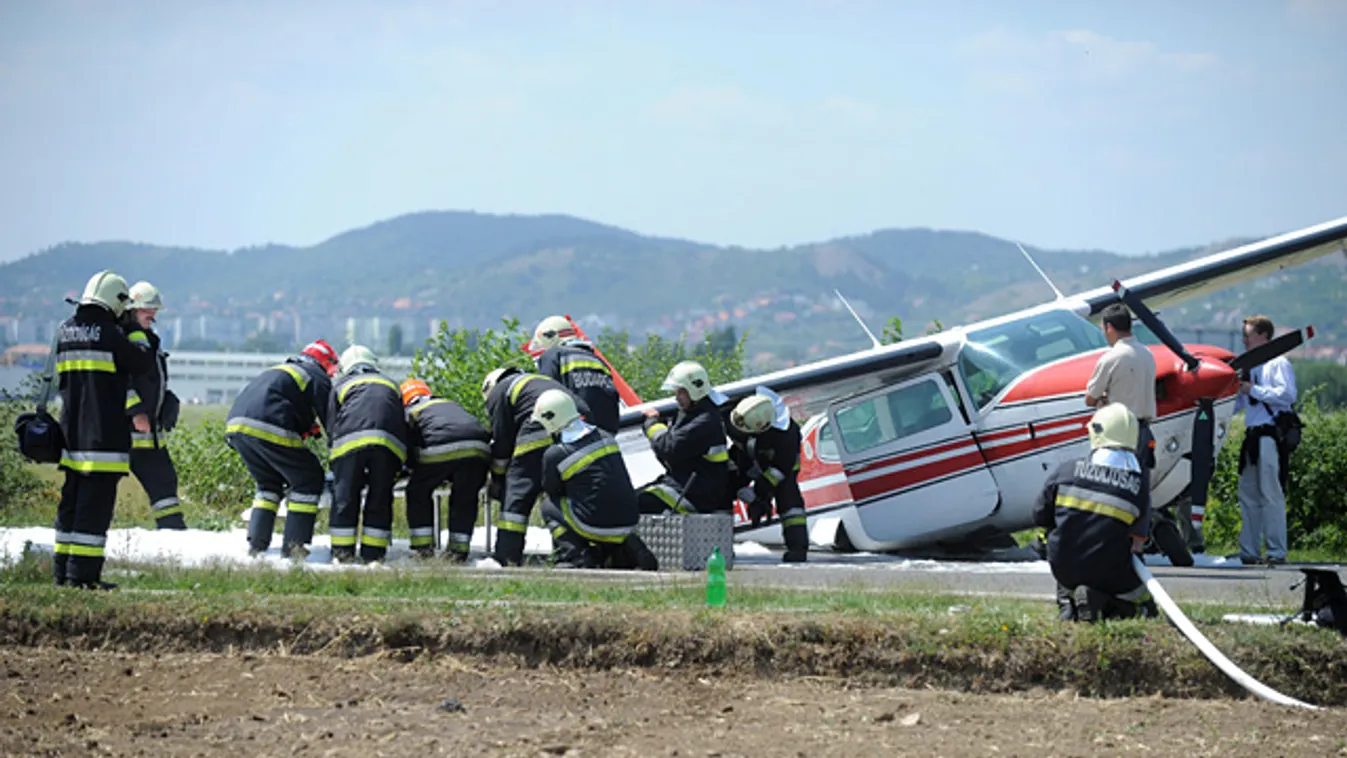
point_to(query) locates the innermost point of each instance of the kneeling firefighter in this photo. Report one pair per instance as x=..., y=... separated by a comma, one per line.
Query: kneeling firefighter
x=691, y=448
x=765, y=448
x=267, y=426
x=446, y=445
x=1098, y=516
x=153, y=409
x=369, y=446
x=590, y=506
x=517, y=445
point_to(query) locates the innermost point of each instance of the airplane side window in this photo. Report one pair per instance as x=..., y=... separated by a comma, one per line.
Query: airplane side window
x=882, y=419
x=827, y=443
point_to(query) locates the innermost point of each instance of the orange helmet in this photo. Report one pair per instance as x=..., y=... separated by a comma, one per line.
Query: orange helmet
x=412, y=389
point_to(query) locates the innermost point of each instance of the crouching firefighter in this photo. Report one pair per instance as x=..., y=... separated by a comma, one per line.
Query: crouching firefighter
x=369, y=445
x=446, y=444
x=95, y=362
x=517, y=445
x=1097, y=517
x=267, y=426
x=590, y=506
x=153, y=410
x=765, y=448
x=573, y=362
x=691, y=448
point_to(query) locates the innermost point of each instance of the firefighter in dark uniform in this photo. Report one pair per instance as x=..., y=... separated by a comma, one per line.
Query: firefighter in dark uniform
x=369, y=445
x=517, y=445
x=692, y=448
x=1098, y=516
x=267, y=426
x=153, y=410
x=573, y=362
x=765, y=447
x=95, y=362
x=446, y=444
x=590, y=506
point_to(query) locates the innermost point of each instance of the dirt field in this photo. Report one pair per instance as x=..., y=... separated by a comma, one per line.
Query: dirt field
x=61, y=703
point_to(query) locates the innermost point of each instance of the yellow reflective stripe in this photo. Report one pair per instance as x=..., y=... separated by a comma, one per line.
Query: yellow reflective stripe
x=718, y=456
x=421, y=541
x=87, y=551
x=576, y=364
x=529, y=447
x=424, y=404
x=265, y=505
x=343, y=540
x=795, y=521
x=138, y=337
x=64, y=367
x=519, y=385
x=510, y=526
x=374, y=541
x=1093, y=506
x=611, y=536
x=773, y=475
x=294, y=507
x=295, y=373
x=262, y=434
x=143, y=445
x=655, y=430
x=584, y=462
x=367, y=441
x=132, y=399
x=96, y=467
x=359, y=380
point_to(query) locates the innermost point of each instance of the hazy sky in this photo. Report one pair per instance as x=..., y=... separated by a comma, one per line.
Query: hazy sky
x=1133, y=126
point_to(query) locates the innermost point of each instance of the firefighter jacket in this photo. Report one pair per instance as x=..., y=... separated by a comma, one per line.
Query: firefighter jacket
x=514, y=433
x=588, y=482
x=148, y=389
x=440, y=431
x=1092, y=510
x=366, y=410
x=578, y=369
x=95, y=362
x=694, y=445
x=281, y=405
x=769, y=462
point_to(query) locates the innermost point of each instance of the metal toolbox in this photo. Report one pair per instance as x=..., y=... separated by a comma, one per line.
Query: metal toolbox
x=684, y=541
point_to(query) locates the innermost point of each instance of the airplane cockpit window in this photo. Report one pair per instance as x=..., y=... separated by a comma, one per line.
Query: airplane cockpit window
x=995, y=356
x=881, y=419
x=827, y=443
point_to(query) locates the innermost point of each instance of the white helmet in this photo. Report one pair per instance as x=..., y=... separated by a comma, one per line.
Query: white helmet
x=108, y=290
x=493, y=378
x=553, y=331
x=555, y=409
x=145, y=296
x=1114, y=426
x=356, y=355
x=691, y=376
x=754, y=414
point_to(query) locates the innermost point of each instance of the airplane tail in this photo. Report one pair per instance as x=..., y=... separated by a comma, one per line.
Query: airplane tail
x=629, y=397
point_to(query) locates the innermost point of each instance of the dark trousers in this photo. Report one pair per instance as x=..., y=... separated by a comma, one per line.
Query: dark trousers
x=153, y=468
x=82, y=519
x=273, y=469
x=523, y=485
x=376, y=468
x=573, y=548
x=1113, y=589
x=467, y=478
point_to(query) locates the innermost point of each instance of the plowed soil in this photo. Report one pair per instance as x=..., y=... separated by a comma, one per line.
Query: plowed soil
x=77, y=703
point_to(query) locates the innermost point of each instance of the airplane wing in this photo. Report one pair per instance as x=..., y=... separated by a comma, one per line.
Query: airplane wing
x=1215, y=272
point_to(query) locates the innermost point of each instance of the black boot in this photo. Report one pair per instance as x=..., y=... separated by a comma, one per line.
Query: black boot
x=1066, y=604
x=638, y=554
x=90, y=584
x=344, y=555
x=172, y=521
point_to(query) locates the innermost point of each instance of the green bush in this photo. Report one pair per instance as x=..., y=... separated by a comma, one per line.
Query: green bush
x=212, y=481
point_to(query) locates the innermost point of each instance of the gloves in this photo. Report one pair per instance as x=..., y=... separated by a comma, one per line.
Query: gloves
x=495, y=489
x=314, y=432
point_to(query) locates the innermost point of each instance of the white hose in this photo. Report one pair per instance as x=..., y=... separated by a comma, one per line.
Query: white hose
x=1209, y=650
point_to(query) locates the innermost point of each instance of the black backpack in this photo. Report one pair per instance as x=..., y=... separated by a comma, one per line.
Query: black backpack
x=40, y=437
x=1288, y=425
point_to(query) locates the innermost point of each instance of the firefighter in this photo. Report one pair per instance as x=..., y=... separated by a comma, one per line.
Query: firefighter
x=590, y=506
x=369, y=445
x=95, y=362
x=691, y=447
x=573, y=362
x=153, y=410
x=445, y=444
x=517, y=445
x=268, y=423
x=1098, y=516
x=765, y=446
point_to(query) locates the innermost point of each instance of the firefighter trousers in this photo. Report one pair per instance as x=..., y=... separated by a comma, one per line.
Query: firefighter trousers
x=523, y=485
x=466, y=479
x=572, y=548
x=374, y=468
x=153, y=468
x=794, y=522
x=82, y=519
x=1112, y=587
x=274, y=468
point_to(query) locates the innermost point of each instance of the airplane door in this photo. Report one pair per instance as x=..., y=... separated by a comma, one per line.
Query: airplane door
x=911, y=462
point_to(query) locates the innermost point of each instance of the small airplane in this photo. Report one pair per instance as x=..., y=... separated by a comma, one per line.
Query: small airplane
x=947, y=439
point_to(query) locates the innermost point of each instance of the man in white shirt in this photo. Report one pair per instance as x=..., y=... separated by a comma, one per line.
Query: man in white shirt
x=1269, y=390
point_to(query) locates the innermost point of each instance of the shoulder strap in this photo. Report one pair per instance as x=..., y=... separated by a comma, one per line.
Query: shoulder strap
x=49, y=383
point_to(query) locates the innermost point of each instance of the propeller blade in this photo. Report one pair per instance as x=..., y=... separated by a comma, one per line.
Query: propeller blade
x=1271, y=349
x=1204, y=452
x=1157, y=326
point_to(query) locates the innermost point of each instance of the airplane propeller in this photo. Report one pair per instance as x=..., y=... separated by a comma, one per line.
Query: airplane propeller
x=1208, y=387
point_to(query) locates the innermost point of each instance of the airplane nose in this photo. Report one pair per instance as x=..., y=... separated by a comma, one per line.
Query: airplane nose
x=1212, y=379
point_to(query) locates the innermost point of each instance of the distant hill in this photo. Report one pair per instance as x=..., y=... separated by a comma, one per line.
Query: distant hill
x=471, y=269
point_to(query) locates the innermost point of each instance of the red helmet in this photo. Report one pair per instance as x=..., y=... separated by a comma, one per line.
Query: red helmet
x=322, y=352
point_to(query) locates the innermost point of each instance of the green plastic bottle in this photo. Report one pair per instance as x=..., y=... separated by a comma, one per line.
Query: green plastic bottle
x=715, y=579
